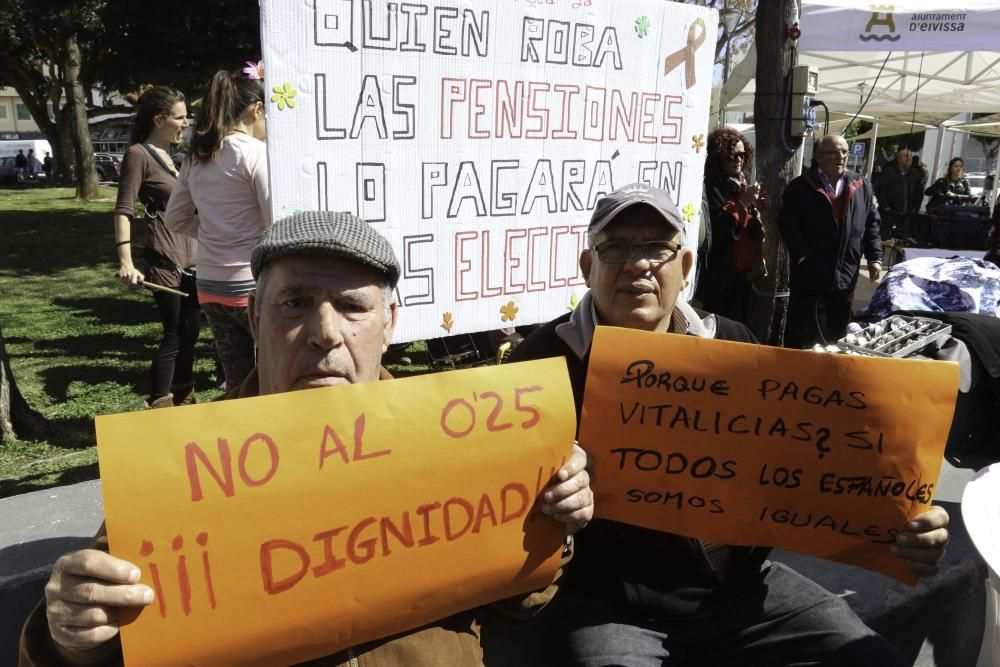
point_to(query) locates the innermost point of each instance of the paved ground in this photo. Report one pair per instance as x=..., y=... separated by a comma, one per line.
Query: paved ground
x=863, y=292
x=38, y=527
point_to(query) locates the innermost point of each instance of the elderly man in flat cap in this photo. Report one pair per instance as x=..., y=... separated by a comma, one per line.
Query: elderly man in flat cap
x=323, y=314
x=635, y=597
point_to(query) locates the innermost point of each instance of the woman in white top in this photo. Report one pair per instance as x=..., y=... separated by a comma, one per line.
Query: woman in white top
x=222, y=198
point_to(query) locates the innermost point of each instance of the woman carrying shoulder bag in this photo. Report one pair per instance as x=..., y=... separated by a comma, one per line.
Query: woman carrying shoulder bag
x=148, y=175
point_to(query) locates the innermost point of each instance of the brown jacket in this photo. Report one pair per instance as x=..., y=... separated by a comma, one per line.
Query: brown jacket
x=451, y=642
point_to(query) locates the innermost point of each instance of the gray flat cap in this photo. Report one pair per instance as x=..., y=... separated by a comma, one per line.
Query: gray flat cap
x=636, y=193
x=326, y=233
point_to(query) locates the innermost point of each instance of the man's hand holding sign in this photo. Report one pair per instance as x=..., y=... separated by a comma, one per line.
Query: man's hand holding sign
x=285, y=527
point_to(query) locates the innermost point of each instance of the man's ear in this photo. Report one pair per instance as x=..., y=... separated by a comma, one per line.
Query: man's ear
x=586, y=261
x=687, y=262
x=253, y=315
x=390, y=325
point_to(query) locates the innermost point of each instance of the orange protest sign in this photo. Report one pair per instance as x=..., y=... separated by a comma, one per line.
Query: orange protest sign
x=824, y=454
x=283, y=528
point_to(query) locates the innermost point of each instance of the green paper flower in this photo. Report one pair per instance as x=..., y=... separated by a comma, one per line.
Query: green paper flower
x=284, y=95
x=689, y=211
x=642, y=26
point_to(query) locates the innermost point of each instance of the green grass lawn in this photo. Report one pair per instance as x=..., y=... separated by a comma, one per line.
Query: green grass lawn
x=79, y=342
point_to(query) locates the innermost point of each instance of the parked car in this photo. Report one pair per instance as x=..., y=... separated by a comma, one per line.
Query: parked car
x=8, y=170
x=109, y=166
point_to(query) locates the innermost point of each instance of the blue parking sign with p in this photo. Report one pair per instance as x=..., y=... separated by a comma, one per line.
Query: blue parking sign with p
x=857, y=149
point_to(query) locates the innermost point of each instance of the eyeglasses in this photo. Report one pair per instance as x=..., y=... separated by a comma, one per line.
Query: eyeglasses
x=616, y=252
x=738, y=156
x=835, y=151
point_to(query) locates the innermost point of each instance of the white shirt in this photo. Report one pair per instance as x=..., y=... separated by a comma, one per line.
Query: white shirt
x=226, y=204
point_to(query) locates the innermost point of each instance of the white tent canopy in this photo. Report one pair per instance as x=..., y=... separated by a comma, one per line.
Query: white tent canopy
x=951, y=82
x=893, y=124
x=900, y=89
x=846, y=41
x=987, y=125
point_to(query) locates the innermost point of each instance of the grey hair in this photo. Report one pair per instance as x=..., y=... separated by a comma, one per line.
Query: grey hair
x=388, y=298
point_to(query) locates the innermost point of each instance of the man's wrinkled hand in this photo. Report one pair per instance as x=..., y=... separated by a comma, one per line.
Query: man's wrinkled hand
x=874, y=271
x=570, y=500
x=83, y=595
x=922, y=543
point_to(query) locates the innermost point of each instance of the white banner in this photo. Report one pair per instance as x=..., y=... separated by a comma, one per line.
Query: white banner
x=905, y=25
x=478, y=135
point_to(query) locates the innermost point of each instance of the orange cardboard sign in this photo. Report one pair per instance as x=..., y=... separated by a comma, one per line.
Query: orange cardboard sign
x=284, y=528
x=824, y=454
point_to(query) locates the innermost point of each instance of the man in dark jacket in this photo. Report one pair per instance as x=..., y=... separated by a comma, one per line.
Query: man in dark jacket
x=20, y=164
x=828, y=220
x=917, y=199
x=899, y=186
x=323, y=314
x=635, y=597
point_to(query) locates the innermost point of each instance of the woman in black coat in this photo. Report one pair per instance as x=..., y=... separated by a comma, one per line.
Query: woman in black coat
x=950, y=189
x=737, y=233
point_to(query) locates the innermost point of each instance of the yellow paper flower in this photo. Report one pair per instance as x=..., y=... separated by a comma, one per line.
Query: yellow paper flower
x=689, y=211
x=509, y=312
x=284, y=95
x=448, y=322
x=697, y=142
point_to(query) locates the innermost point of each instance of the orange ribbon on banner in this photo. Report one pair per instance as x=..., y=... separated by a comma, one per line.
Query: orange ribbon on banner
x=686, y=53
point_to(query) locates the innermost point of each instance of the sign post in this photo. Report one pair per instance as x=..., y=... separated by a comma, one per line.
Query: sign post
x=857, y=153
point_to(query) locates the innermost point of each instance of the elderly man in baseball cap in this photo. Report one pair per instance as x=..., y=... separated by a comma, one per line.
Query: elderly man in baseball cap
x=323, y=314
x=635, y=597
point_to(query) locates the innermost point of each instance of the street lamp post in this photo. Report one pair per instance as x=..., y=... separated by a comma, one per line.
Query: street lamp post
x=730, y=18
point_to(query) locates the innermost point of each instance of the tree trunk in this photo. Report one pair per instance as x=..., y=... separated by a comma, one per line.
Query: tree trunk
x=62, y=146
x=86, y=170
x=67, y=174
x=776, y=164
x=17, y=419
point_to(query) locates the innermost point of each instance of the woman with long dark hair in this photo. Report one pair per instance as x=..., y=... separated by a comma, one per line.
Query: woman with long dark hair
x=223, y=198
x=149, y=175
x=737, y=233
x=952, y=188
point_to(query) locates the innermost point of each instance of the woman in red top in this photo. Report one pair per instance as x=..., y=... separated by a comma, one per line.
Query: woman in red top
x=148, y=175
x=737, y=233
